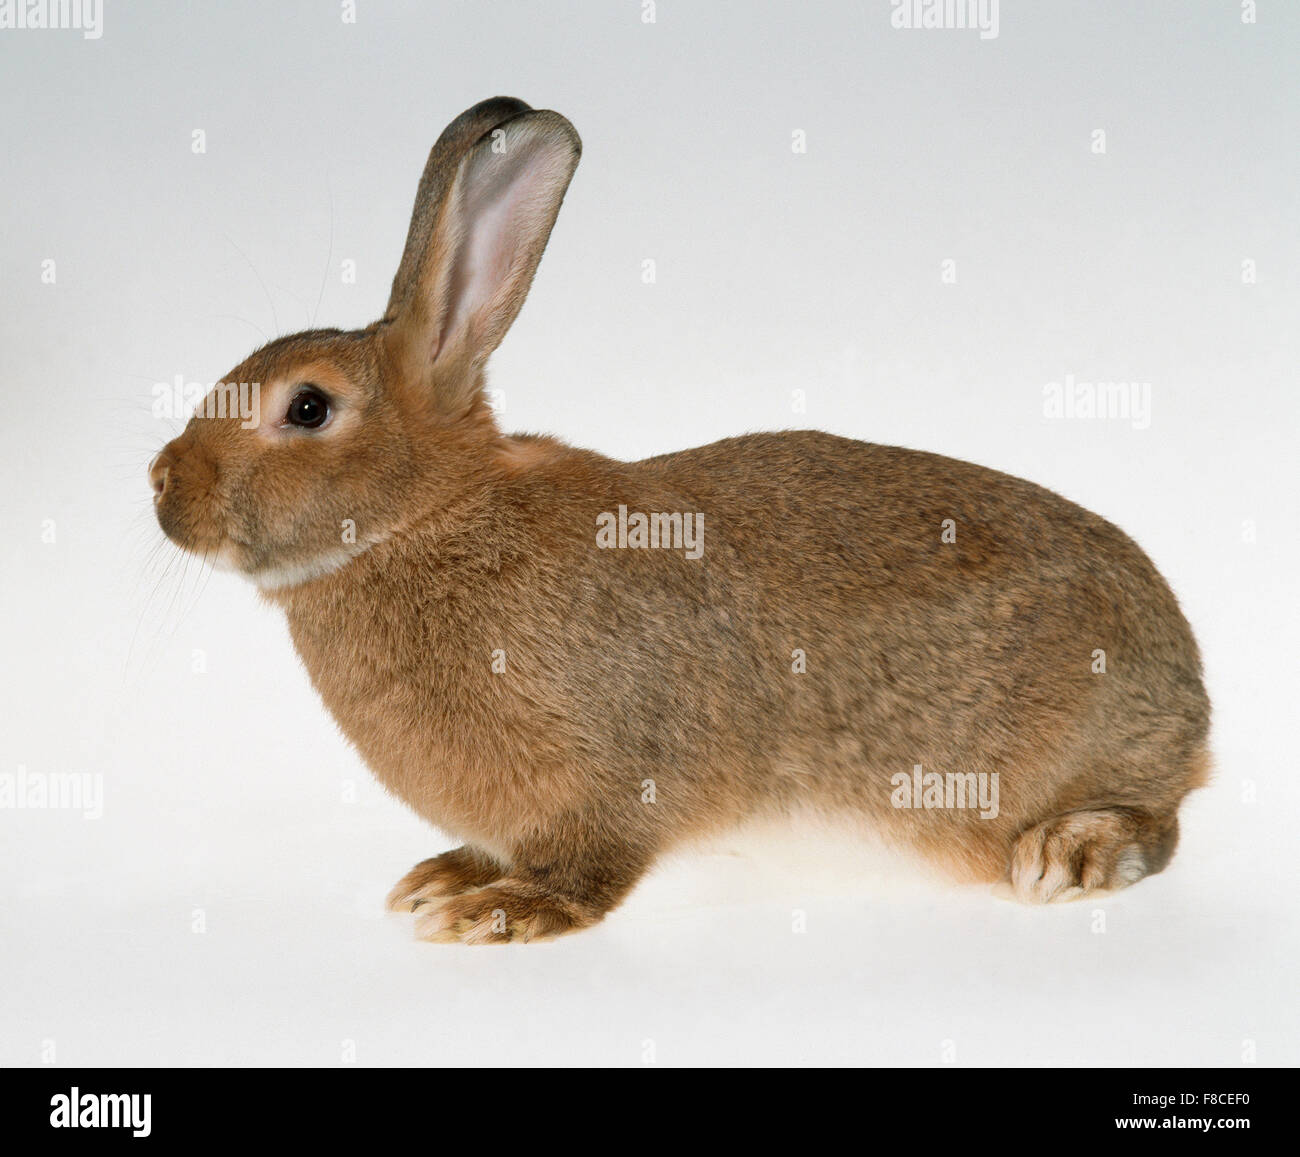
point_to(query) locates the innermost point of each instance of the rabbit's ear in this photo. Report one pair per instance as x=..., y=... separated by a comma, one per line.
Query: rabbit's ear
x=439, y=172
x=482, y=250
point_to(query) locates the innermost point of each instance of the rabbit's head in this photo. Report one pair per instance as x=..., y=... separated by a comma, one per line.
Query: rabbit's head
x=322, y=444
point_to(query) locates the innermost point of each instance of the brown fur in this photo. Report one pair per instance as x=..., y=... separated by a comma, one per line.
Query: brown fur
x=530, y=693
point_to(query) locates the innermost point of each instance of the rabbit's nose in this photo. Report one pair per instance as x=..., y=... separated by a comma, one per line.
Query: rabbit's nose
x=159, y=469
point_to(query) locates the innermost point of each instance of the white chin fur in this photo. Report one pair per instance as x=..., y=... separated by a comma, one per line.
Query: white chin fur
x=278, y=577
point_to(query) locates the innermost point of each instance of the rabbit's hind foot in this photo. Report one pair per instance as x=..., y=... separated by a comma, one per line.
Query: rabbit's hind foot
x=1079, y=853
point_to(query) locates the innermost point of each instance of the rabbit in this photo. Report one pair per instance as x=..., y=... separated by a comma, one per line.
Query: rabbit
x=858, y=618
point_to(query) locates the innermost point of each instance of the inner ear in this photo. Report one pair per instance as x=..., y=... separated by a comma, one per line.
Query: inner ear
x=506, y=199
x=487, y=243
x=440, y=172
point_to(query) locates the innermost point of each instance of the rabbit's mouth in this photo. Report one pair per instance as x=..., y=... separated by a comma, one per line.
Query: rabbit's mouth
x=226, y=552
x=184, y=479
x=185, y=524
x=217, y=548
x=195, y=511
x=194, y=522
x=188, y=513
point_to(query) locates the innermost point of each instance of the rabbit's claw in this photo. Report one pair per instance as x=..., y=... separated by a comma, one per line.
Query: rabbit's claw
x=1083, y=852
x=498, y=915
x=449, y=874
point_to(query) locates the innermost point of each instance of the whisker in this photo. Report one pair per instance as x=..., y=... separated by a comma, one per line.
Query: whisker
x=329, y=260
x=274, y=318
x=237, y=317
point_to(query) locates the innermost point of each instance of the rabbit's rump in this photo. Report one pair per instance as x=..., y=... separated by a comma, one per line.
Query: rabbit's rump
x=955, y=619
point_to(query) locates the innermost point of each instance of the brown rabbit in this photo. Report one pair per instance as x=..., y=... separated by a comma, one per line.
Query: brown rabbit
x=524, y=646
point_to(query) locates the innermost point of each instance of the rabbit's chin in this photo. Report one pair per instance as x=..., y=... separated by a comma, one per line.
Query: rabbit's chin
x=294, y=573
x=279, y=576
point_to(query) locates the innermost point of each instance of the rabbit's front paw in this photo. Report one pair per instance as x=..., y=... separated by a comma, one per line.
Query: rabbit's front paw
x=450, y=874
x=498, y=915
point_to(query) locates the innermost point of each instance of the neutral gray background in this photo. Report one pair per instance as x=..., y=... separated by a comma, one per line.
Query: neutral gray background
x=231, y=802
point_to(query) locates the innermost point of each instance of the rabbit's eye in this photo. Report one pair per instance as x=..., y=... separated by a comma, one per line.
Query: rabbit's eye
x=309, y=409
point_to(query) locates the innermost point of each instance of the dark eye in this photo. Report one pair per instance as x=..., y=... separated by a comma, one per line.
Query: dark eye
x=309, y=409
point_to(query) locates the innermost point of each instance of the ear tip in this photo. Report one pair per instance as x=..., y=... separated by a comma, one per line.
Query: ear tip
x=496, y=108
x=555, y=125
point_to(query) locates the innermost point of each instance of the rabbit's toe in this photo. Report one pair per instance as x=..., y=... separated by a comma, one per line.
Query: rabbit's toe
x=498, y=915
x=450, y=874
x=1072, y=855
